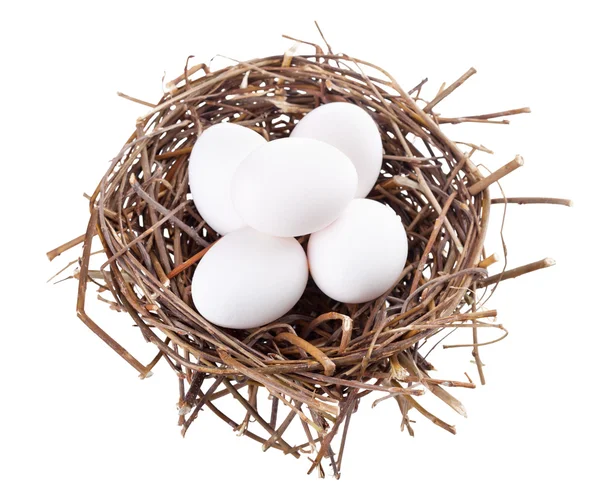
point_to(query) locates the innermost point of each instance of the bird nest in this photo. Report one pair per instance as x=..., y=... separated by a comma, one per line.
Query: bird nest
x=315, y=364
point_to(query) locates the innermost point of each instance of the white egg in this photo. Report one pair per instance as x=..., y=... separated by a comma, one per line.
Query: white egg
x=293, y=186
x=360, y=255
x=248, y=279
x=213, y=161
x=350, y=129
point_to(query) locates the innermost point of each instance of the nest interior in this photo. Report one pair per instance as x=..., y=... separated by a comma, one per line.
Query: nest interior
x=317, y=362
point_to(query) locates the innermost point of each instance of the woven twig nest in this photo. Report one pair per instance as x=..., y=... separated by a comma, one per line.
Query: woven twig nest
x=317, y=362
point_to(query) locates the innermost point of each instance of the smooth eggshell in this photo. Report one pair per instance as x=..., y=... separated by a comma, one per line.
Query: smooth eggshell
x=361, y=255
x=350, y=129
x=213, y=161
x=248, y=279
x=293, y=186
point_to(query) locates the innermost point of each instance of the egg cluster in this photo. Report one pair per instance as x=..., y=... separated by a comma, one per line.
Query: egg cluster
x=260, y=195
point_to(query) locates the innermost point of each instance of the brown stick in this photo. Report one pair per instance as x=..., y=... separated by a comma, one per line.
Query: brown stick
x=434, y=233
x=533, y=200
x=437, y=421
x=315, y=352
x=471, y=120
x=81, y=293
x=484, y=118
x=137, y=101
x=411, y=159
x=484, y=183
x=475, y=351
x=160, y=272
x=174, y=153
x=442, y=95
x=510, y=112
x=186, y=264
x=346, y=327
x=64, y=247
x=490, y=260
x=517, y=272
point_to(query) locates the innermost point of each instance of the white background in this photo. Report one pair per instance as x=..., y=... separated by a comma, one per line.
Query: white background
x=75, y=419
